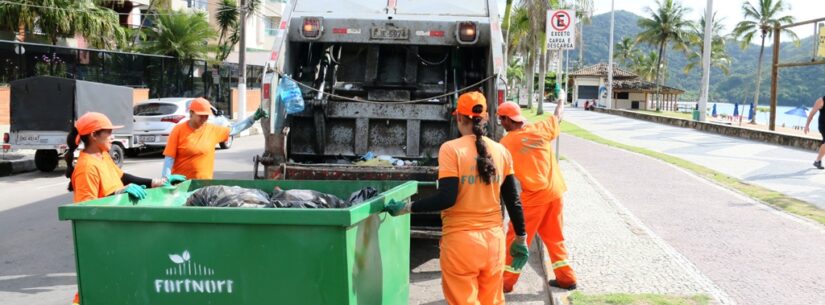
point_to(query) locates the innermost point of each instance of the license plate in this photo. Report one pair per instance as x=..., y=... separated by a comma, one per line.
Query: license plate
x=29, y=139
x=147, y=139
x=390, y=33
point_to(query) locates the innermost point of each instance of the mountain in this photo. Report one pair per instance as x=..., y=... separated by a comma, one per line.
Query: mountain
x=797, y=86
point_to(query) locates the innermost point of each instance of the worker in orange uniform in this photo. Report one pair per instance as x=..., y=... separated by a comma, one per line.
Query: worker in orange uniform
x=190, y=150
x=96, y=175
x=474, y=174
x=542, y=187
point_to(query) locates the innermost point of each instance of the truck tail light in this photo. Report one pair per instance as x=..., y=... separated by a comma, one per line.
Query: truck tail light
x=6, y=137
x=267, y=93
x=467, y=32
x=500, y=96
x=173, y=118
x=312, y=28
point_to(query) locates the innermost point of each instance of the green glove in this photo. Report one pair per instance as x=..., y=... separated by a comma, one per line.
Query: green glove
x=260, y=114
x=135, y=191
x=520, y=254
x=175, y=179
x=397, y=208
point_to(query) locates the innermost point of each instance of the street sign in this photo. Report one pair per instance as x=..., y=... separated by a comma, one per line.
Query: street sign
x=561, y=29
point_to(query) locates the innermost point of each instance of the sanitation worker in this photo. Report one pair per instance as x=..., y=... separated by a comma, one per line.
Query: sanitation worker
x=474, y=174
x=190, y=149
x=96, y=175
x=542, y=187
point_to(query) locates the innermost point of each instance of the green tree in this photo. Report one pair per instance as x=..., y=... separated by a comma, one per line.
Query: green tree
x=538, y=16
x=719, y=57
x=666, y=25
x=625, y=50
x=584, y=14
x=63, y=18
x=761, y=20
x=645, y=65
x=179, y=34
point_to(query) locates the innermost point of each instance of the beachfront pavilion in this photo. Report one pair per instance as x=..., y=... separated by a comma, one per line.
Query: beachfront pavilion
x=629, y=90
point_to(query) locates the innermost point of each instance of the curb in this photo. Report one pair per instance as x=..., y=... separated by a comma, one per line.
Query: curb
x=11, y=167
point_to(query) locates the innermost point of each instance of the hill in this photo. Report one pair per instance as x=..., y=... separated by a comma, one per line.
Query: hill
x=796, y=85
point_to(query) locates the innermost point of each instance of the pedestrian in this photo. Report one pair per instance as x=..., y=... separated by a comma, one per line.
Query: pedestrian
x=190, y=149
x=474, y=175
x=96, y=175
x=818, y=107
x=542, y=187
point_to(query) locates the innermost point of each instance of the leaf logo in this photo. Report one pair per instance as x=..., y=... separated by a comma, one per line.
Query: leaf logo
x=180, y=259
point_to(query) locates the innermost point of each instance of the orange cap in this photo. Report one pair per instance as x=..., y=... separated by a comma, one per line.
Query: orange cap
x=200, y=106
x=512, y=111
x=91, y=122
x=468, y=101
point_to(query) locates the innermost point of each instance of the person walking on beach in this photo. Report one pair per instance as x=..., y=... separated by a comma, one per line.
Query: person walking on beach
x=818, y=107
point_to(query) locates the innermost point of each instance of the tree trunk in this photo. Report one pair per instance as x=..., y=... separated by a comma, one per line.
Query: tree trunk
x=758, y=77
x=505, y=24
x=136, y=39
x=542, y=76
x=658, y=75
x=581, y=44
x=531, y=67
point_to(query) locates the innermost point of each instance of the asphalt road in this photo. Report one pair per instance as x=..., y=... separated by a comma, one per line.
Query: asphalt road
x=36, y=251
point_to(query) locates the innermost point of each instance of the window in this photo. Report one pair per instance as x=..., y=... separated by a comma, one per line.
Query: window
x=588, y=92
x=152, y=109
x=271, y=24
x=623, y=95
x=197, y=4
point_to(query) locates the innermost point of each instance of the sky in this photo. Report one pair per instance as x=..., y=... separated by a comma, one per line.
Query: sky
x=730, y=10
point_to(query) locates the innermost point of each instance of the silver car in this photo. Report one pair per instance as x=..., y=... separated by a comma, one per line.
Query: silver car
x=155, y=118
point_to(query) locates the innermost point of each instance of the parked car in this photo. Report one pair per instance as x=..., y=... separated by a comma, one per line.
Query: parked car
x=155, y=118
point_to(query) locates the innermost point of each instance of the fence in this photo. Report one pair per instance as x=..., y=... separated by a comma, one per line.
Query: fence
x=164, y=76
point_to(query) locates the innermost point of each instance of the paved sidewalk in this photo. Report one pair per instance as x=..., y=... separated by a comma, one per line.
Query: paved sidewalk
x=786, y=170
x=753, y=253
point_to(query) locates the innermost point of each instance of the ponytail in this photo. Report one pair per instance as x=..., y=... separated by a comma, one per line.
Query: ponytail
x=484, y=163
x=71, y=142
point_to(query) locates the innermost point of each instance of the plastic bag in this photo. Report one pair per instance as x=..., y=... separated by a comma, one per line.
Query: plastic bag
x=228, y=196
x=291, y=96
x=305, y=199
x=364, y=194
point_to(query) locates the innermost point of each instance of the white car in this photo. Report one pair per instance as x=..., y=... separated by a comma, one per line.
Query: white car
x=155, y=118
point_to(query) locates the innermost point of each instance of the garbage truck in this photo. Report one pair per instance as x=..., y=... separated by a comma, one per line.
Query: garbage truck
x=379, y=78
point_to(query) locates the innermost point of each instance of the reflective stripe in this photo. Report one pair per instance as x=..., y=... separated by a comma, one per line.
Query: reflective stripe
x=510, y=269
x=560, y=264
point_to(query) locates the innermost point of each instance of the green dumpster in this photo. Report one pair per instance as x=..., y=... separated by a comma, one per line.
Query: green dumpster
x=160, y=252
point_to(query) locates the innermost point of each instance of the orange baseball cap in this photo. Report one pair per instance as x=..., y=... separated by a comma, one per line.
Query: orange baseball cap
x=468, y=101
x=512, y=111
x=200, y=106
x=91, y=122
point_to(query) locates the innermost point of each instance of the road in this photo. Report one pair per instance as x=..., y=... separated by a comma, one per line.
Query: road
x=36, y=252
x=753, y=253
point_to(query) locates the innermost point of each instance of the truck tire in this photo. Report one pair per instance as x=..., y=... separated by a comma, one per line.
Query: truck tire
x=132, y=152
x=117, y=153
x=46, y=160
x=228, y=143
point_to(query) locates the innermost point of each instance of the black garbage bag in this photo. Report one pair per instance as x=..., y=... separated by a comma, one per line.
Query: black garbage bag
x=305, y=199
x=229, y=196
x=363, y=195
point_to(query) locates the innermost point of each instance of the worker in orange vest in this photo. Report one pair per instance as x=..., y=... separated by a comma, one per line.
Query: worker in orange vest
x=542, y=187
x=96, y=175
x=474, y=174
x=190, y=149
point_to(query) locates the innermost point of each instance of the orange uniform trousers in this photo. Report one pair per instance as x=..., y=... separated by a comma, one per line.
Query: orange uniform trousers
x=544, y=218
x=472, y=266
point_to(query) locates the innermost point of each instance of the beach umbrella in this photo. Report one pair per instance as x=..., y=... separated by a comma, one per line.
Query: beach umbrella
x=713, y=112
x=736, y=110
x=798, y=111
x=751, y=112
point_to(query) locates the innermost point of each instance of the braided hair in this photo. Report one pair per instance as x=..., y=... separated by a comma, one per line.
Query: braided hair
x=484, y=163
x=69, y=156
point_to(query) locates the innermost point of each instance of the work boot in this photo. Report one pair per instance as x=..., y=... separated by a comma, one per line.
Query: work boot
x=818, y=164
x=554, y=283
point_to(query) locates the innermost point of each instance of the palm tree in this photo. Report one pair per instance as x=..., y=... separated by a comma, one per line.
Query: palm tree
x=761, y=21
x=63, y=18
x=179, y=34
x=665, y=26
x=644, y=65
x=584, y=12
x=719, y=57
x=154, y=7
x=625, y=50
x=538, y=16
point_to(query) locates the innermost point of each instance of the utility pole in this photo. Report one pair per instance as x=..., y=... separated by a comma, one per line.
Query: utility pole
x=242, y=62
x=703, y=100
x=610, y=59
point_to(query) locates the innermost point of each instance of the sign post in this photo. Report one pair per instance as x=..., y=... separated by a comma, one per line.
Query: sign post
x=561, y=29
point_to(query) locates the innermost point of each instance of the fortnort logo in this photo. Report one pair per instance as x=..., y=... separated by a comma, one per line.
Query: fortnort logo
x=186, y=276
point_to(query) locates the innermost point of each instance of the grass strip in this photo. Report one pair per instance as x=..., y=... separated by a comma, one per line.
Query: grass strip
x=578, y=298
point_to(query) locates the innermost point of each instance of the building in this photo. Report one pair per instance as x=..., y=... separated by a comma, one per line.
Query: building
x=629, y=90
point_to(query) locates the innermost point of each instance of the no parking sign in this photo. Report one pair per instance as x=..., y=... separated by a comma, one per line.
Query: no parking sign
x=561, y=29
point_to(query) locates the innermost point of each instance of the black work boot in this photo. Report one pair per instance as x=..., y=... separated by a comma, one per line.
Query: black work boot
x=818, y=164
x=554, y=283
